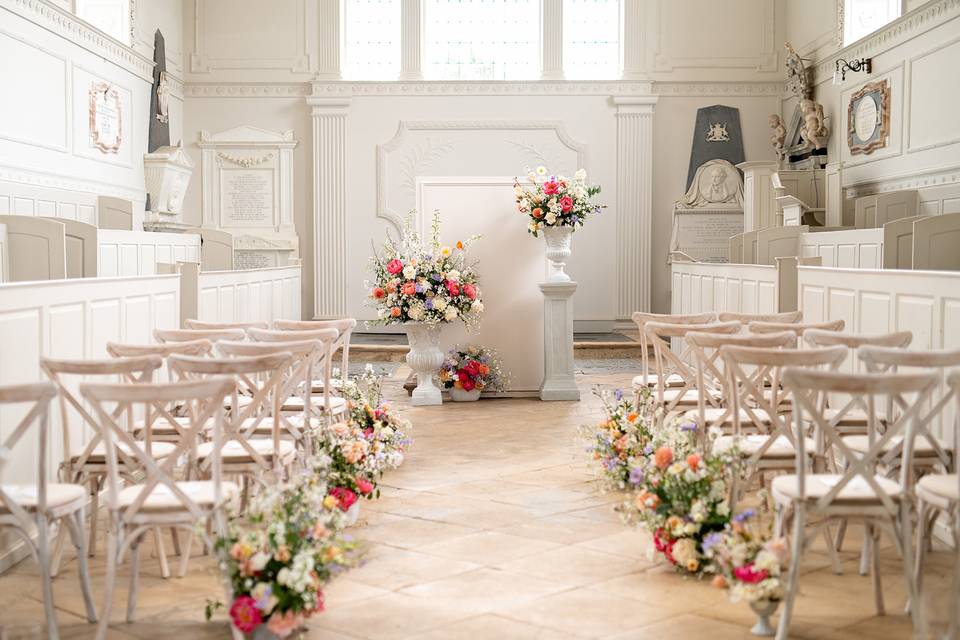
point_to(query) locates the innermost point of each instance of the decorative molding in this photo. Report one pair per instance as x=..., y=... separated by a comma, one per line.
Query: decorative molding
x=69, y=183
x=68, y=26
x=906, y=27
x=710, y=89
x=246, y=90
x=420, y=157
x=330, y=45
x=247, y=136
x=935, y=177
x=505, y=88
x=245, y=161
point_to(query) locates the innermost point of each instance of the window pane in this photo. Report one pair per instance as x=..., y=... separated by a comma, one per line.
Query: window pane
x=371, y=48
x=482, y=39
x=591, y=39
x=863, y=17
x=110, y=16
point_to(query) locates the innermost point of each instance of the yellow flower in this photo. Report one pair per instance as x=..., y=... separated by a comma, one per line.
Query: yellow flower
x=330, y=502
x=446, y=251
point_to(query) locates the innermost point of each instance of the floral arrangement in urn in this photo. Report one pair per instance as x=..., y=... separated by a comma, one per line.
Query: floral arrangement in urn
x=433, y=284
x=555, y=201
x=467, y=371
x=622, y=440
x=278, y=558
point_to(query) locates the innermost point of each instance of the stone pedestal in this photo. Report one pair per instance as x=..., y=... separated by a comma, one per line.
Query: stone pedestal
x=166, y=176
x=558, y=380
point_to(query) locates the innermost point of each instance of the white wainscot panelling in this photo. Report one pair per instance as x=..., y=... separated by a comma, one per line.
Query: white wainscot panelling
x=39, y=77
x=850, y=248
x=743, y=288
x=131, y=253
x=70, y=319
x=254, y=295
x=32, y=200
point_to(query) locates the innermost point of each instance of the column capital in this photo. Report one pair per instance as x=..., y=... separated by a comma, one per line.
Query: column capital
x=635, y=105
x=329, y=106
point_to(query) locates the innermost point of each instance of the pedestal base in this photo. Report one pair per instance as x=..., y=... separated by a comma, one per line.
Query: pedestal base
x=425, y=359
x=558, y=378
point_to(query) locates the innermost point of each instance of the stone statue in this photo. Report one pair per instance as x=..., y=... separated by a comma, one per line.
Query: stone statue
x=796, y=73
x=163, y=98
x=717, y=183
x=813, y=131
x=779, y=137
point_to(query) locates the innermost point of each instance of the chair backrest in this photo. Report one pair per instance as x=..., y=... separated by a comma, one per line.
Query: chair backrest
x=754, y=376
x=705, y=349
x=187, y=335
x=954, y=381
x=259, y=377
x=192, y=323
x=344, y=325
x=323, y=357
x=798, y=328
x=667, y=361
x=163, y=350
x=38, y=396
x=641, y=318
x=823, y=338
x=204, y=402
x=746, y=318
x=867, y=391
x=64, y=374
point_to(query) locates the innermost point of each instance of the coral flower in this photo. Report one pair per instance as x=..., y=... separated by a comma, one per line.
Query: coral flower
x=409, y=288
x=470, y=291
x=453, y=288
x=379, y=293
x=245, y=614
x=693, y=461
x=663, y=457
x=551, y=187
x=395, y=312
x=632, y=417
x=364, y=486
x=283, y=624
x=345, y=497
x=566, y=204
x=538, y=212
x=394, y=267
x=459, y=245
x=719, y=582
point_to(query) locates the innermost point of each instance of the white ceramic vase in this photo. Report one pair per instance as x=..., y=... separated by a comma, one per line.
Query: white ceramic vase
x=763, y=610
x=353, y=513
x=425, y=359
x=462, y=395
x=558, y=250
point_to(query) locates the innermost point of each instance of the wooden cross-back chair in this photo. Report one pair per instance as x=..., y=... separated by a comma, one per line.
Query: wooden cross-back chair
x=24, y=507
x=746, y=318
x=242, y=453
x=859, y=492
x=754, y=379
x=331, y=406
x=798, y=328
x=705, y=349
x=344, y=326
x=191, y=323
x=85, y=463
x=667, y=362
x=295, y=424
x=159, y=500
x=187, y=335
x=646, y=379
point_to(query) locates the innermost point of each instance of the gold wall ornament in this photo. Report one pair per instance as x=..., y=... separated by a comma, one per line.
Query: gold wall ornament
x=244, y=161
x=105, y=117
x=868, y=118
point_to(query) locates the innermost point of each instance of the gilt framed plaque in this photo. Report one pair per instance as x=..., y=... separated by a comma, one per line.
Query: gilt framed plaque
x=106, y=117
x=868, y=118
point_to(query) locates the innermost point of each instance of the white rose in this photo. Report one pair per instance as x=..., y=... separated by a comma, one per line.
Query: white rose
x=409, y=272
x=453, y=275
x=551, y=218
x=451, y=313
x=477, y=307
x=416, y=312
x=580, y=175
x=259, y=561
x=439, y=304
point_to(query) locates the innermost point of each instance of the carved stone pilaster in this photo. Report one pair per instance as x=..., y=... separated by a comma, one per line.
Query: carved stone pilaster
x=552, y=38
x=411, y=37
x=329, y=68
x=634, y=203
x=633, y=40
x=329, y=205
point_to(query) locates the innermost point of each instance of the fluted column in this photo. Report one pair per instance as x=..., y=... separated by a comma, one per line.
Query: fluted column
x=411, y=38
x=633, y=40
x=552, y=39
x=329, y=67
x=329, y=205
x=634, y=202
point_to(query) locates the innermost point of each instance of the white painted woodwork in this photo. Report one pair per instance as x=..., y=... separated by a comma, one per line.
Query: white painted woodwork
x=37, y=248
x=131, y=253
x=759, y=204
x=411, y=39
x=750, y=247
x=251, y=295
x=735, y=251
x=778, y=242
x=791, y=211
x=80, y=241
x=853, y=248
x=4, y=255
x=216, y=250
x=936, y=242
x=114, y=213
x=741, y=288
x=833, y=186
x=897, y=244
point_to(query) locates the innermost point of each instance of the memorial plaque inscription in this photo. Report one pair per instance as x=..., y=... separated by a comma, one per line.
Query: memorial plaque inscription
x=246, y=197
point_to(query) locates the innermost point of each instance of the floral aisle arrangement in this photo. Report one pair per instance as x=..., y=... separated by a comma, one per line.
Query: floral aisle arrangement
x=555, y=201
x=622, y=440
x=387, y=431
x=433, y=284
x=472, y=368
x=681, y=494
x=279, y=557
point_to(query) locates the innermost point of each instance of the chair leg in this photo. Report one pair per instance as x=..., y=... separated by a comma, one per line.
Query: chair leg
x=873, y=532
x=832, y=550
x=954, y=624
x=903, y=529
x=922, y=535
x=161, y=552
x=865, y=552
x=57, y=556
x=43, y=556
x=185, y=555
x=94, y=512
x=841, y=534
x=793, y=580
x=134, y=577
x=110, y=581
x=75, y=523
x=175, y=537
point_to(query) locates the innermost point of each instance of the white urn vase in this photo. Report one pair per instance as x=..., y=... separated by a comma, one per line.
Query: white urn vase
x=558, y=250
x=425, y=359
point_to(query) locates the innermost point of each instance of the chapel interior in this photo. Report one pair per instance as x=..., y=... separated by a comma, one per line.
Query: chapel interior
x=479, y=319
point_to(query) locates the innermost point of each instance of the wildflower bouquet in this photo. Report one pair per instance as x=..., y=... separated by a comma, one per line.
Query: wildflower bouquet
x=386, y=430
x=278, y=558
x=622, y=440
x=354, y=470
x=681, y=495
x=413, y=283
x=747, y=558
x=555, y=201
x=472, y=368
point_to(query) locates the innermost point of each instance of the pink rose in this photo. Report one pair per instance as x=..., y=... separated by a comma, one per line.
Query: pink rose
x=470, y=291
x=566, y=204
x=345, y=497
x=749, y=574
x=283, y=624
x=409, y=288
x=245, y=614
x=364, y=486
x=453, y=288
x=551, y=187
x=394, y=266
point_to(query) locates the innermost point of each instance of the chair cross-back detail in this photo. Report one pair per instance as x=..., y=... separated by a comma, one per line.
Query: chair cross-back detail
x=647, y=379
x=746, y=318
x=686, y=395
x=187, y=335
x=858, y=492
x=798, y=328
x=160, y=499
x=23, y=507
x=344, y=326
x=192, y=323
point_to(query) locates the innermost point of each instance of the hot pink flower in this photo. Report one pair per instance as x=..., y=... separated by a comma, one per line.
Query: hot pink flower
x=364, y=486
x=566, y=204
x=551, y=187
x=468, y=385
x=245, y=614
x=394, y=266
x=453, y=288
x=470, y=291
x=345, y=497
x=283, y=624
x=749, y=574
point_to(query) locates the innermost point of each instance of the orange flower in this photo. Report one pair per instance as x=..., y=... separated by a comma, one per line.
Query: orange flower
x=693, y=461
x=663, y=457
x=538, y=213
x=459, y=245
x=719, y=582
x=647, y=500
x=632, y=417
x=395, y=312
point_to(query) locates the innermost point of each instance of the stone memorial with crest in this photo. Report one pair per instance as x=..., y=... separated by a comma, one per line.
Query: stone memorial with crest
x=709, y=213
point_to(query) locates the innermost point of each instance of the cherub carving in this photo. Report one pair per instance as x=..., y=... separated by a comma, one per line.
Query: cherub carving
x=779, y=135
x=814, y=131
x=796, y=73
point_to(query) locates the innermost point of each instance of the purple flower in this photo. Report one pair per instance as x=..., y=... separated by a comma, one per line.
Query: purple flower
x=436, y=277
x=618, y=395
x=647, y=450
x=744, y=515
x=712, y=540
x=429, y=303
x=636, y=476
x=689, y=426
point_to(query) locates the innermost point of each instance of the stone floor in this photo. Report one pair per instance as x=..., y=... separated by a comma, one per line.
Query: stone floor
x=493, y=529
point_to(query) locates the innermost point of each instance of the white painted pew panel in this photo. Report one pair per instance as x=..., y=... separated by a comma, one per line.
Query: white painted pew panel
x=853, y=248
x=898, y=243
x=778, y=242
x=936, y=242
x=4, y=255
x=130, y=253
x=251, y=295
x=81, y=248
x=742, y=288
x=37, y=248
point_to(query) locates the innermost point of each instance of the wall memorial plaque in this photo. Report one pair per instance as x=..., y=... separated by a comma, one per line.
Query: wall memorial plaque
x=246, y=197
x=106, y=117
x=868, y=118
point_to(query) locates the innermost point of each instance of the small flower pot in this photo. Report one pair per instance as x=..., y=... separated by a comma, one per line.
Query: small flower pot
x=763, y=609
x=263, y=633
x=353, y=513
x=462, y=395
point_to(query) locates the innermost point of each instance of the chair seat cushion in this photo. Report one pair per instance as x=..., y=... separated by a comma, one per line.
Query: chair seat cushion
x=712, y=414
x=751, y=443
x=687, y=397
x=163, y=499
x=317, y=385
x=233, y=451
x=650, y=380
x=98, y=455
x=852, y=418
x=58, y=495
x=162, y=427
x=242, y=401
x=921, y=446
x=295, y=403
x=857, y=491
x=939, y=485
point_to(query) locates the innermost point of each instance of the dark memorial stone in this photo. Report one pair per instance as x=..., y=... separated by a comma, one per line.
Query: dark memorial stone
x=716, y=135
x=159, y=134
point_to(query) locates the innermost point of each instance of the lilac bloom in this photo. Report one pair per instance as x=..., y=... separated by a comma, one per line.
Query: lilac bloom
x=744, y=515
x=636, y=476
x=712, y=540
x=429, y=303
x=419, y=287
x=689, y=426
x=618, y=395
x=648, y=449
